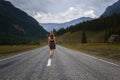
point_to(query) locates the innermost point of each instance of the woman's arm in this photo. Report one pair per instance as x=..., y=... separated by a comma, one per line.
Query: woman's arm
x=55, y=40
x=48, y=40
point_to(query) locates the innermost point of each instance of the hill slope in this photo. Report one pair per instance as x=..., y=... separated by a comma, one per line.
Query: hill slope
x=113, y=9
x=97, y=30
x=16, y=26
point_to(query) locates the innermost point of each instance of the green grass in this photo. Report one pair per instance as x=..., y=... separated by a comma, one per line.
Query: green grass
x=111, y=51
x=8, y=50
x=95, y=36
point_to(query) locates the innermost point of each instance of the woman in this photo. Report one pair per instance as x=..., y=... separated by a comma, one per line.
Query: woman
x=51, y=43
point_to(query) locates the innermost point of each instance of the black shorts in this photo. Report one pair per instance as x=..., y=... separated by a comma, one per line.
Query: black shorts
x=52, y=46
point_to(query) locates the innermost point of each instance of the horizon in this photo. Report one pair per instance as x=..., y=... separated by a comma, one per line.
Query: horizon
x=67, y=21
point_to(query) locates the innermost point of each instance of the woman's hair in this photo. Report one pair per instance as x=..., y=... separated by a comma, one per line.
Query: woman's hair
x=51, y=35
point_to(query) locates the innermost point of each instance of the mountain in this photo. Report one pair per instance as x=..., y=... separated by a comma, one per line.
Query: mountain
x=113, y=9
x=18, y=27
x=50, y=26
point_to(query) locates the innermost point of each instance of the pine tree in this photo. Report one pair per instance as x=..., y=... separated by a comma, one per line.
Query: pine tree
x=84, y=38
x=106, y=37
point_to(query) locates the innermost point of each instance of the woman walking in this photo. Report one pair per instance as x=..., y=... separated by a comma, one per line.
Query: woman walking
x=52, y=43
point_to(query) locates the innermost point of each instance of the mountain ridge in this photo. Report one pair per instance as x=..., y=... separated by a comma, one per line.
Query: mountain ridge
x=50, y=26
x=112, y=9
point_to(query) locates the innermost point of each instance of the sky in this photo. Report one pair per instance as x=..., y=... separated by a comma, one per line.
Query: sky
x=59, y=11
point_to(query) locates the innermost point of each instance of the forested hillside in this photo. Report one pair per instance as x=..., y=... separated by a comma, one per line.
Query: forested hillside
x=112, y=9
x=18, y=27
x=103, y=27
x=111, y=23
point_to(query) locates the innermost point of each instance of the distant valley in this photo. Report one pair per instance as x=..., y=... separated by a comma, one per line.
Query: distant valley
x=50, y=26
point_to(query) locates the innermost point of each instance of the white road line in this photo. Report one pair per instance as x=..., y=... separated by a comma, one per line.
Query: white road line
x=49, y=63
x=22, y=53
x=13, y=56
x=93, y=57
x=101, y=60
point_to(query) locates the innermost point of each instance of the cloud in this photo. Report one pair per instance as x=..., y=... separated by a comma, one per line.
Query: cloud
x=62, y=10
x=70, y=14
x=99, y=6
x=97, y=3
x=33, y=5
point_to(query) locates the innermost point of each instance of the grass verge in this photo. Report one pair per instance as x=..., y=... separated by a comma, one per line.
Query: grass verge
x=110, y=51
x=9, y=50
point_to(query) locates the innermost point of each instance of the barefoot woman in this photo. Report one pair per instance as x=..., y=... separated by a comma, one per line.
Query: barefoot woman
x=52, y=43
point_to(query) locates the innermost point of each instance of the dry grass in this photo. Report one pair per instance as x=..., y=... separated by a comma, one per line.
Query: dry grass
x=111, y=51
x=8, y=50
x=95, y=45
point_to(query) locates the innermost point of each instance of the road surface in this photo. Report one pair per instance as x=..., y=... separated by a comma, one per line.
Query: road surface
x=66, y=65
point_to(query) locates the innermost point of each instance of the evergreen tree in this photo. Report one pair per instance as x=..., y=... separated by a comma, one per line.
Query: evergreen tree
x=84, y=38
x=61, y=31
x=106, y=36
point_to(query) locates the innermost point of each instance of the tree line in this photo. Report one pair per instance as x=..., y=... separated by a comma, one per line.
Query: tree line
x=110, y=24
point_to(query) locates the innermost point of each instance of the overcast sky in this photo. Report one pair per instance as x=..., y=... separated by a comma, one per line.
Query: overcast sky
x=58, y=11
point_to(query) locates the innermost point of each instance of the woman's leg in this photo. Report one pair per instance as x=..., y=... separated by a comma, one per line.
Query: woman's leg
x=51, y=53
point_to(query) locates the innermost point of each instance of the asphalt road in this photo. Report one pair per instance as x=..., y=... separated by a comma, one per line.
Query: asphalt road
x=66, y=65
